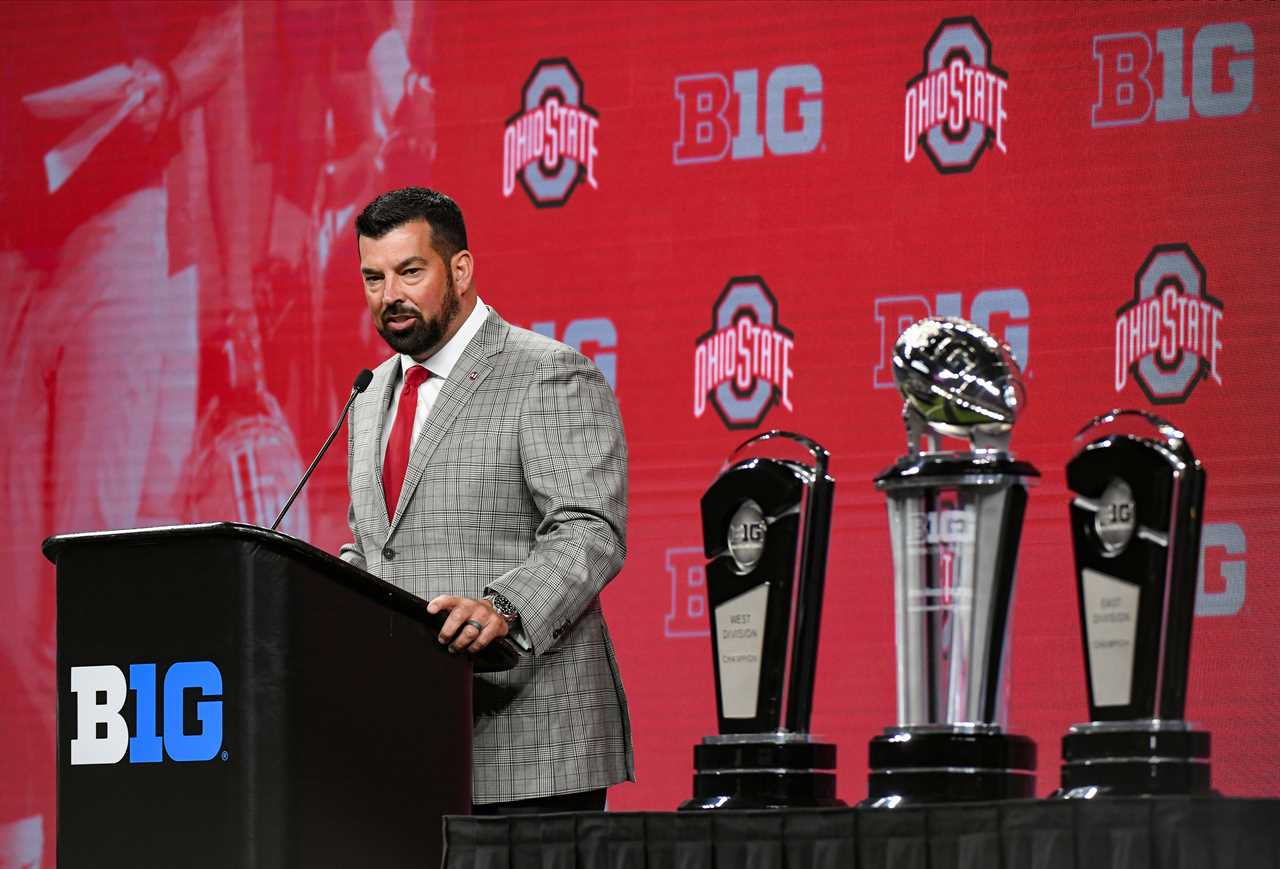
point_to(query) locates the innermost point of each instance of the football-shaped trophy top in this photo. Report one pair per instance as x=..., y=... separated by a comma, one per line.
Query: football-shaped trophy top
x=957, y=380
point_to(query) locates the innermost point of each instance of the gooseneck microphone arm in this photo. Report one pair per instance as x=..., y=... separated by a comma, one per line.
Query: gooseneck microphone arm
x=362, y=383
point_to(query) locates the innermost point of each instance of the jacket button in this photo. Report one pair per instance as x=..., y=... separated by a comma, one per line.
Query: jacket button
x=388, y=553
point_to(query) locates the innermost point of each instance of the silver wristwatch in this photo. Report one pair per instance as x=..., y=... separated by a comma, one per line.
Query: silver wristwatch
x=503, y=606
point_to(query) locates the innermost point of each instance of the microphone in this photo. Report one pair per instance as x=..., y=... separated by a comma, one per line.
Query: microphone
x=361, y=384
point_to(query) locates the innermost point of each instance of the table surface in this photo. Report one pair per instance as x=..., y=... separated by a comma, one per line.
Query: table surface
x=1118, y=833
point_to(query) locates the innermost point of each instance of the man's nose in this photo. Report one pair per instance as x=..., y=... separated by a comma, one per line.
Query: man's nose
x=392, y=290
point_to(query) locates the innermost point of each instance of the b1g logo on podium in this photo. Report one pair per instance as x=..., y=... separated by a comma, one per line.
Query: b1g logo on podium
x=708, y=136
x=550, y=144
x=1126, y=94
x=1169, y=336
x=742, y=366
x=102, y=733
x=954, y=109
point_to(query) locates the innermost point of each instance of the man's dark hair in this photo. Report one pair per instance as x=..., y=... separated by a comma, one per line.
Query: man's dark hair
x=398, y=207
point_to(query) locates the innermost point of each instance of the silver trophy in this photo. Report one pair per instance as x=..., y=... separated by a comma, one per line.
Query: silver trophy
x=955, y=519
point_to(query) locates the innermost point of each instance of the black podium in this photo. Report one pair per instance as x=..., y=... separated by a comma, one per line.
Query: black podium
x=230, y=696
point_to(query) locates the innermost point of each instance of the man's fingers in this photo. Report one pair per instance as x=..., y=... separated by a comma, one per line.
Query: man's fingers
x=472, y=624
x=484, y=637
x=457, y=617
x=466, y=635
x=443, y=602
x=497, y=627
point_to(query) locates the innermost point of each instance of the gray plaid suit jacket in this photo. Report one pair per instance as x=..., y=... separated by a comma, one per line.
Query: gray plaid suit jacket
x=518, y=483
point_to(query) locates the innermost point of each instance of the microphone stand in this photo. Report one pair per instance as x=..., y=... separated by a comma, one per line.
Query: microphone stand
x=362, y=383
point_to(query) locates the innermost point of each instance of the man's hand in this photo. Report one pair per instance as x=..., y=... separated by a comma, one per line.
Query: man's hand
x=471, y=625
x=159, y=96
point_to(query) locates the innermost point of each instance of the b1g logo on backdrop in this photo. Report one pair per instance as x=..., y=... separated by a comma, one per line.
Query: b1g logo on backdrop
x=708, y=136
x=549, y=146
x=954, y=109
x=1221, y=591
x=688, y=614
x=102, y=733
x=593, y=337
x=1169, y=336
x=1126, y=94
x=1005, y=313
x=742, y=366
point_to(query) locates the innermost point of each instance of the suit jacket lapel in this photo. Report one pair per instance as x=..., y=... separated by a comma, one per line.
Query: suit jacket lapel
x=467, y=375
x=370, y=426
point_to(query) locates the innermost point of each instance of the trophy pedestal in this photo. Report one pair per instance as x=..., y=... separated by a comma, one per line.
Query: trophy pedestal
x=762, y=771
x=911, y=766
x=1134, y=758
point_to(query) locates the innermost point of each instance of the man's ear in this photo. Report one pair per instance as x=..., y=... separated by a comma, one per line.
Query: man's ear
x=462, y=266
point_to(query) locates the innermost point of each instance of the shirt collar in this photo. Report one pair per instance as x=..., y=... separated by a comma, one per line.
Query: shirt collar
x=441, y=363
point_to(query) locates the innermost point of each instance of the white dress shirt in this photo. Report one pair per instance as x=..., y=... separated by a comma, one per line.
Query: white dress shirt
x=441, y=366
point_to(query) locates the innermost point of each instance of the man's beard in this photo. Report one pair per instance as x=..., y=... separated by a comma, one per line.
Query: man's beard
x=424, y=335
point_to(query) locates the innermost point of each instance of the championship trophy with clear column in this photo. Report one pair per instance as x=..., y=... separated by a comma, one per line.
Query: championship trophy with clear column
x=765, y=523
x=955, y=518
x=1136, y=515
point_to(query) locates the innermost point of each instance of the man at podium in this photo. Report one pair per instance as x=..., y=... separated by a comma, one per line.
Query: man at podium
x=487, y=470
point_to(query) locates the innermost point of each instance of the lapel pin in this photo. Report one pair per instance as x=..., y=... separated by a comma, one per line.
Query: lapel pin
x=472, y=376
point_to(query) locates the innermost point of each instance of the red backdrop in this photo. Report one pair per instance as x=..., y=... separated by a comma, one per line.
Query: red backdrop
x=185, y=313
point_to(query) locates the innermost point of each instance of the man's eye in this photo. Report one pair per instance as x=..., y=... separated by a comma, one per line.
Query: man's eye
x=410, y=271
x=372, y=279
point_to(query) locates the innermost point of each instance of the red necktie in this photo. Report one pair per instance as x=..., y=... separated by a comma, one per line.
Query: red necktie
x=396, y=461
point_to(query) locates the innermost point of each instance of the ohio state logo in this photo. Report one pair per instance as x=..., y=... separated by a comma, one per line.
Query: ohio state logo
x=955, y=108
x=549, y=146
x=743, y=364
x=1168, y=337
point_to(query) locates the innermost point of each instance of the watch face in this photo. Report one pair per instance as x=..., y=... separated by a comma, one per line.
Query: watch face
x=1116, y=518
x=503, y=607
x=747, y=531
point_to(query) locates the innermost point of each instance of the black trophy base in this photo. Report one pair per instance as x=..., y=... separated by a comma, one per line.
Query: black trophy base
x=910, y=767
x=1158, y=759
x=764, y=774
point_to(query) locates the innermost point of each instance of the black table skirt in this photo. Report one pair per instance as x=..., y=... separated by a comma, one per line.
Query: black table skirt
x=1154, y=833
